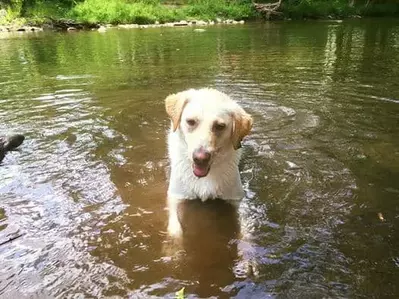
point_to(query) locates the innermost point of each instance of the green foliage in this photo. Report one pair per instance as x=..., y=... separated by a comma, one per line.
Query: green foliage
x=149, y=11
x=43, y=10
x=299, y=9
x=380, y=10
x=213, y=9
x=119, y=11
x=180, y=294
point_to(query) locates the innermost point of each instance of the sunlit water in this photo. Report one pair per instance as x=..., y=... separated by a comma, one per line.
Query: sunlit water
x=86, y=191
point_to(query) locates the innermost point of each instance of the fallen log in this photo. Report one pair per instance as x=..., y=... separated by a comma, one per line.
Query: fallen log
x=66, y=24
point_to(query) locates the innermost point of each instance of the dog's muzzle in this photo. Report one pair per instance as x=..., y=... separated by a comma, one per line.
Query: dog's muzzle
x=201, y=165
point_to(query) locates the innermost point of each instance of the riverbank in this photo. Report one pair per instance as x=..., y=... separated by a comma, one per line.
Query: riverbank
x=62, y=25
x=94, y=14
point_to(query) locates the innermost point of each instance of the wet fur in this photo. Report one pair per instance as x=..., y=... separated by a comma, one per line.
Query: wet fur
x=223, y=181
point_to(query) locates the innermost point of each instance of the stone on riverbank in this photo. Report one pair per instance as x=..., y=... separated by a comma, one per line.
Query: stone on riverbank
x=70, y=25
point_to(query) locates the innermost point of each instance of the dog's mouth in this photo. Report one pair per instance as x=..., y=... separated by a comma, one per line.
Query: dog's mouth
x=200, y=170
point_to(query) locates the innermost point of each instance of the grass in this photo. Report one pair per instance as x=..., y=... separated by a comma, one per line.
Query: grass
x=120, y=11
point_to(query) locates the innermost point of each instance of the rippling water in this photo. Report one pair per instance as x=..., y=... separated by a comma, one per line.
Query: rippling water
x=86, y=191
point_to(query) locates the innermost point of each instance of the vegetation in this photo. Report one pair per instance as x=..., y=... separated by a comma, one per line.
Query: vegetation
x=299, y=9
x=150, y=11
x=120, y=11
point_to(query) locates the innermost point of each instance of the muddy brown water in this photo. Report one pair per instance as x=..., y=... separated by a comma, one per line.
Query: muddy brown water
x=86, y=191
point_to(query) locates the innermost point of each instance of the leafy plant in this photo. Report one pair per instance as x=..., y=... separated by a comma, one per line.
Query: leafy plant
x=180, y=294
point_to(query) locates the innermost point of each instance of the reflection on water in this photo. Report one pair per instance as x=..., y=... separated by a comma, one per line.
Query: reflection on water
x=87, y=188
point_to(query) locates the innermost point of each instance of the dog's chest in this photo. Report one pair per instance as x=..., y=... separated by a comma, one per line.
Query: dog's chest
x=206, y=188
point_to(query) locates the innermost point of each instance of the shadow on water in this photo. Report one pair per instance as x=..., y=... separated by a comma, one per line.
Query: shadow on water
x=87, y=189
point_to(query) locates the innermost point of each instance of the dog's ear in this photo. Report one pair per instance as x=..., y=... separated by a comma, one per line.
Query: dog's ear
x=242, y=125
x=174, y=105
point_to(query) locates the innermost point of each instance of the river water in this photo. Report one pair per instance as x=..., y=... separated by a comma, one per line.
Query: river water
x=86, y=191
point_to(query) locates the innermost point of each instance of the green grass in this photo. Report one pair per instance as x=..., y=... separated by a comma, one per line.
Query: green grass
x=213, y=9
x=120, y=11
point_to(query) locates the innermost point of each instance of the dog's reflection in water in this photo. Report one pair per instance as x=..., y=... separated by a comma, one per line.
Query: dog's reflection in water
x=206, y=236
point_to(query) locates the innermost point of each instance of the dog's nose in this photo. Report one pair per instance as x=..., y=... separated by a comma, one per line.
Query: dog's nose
x=201, y=156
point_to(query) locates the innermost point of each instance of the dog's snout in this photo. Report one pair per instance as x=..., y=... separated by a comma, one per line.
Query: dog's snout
x=201, y=156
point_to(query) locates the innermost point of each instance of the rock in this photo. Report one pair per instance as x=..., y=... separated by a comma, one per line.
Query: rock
x=234, y=22
x=9, y=143
x=292, y=165
x=71, y=29
x=181, y=23
x=156, y=22
x=102, y=29
x=201, y=23
x=241, y=22
x=28, y=29
x=211, y=23
x=199, y=30
x=219, y=20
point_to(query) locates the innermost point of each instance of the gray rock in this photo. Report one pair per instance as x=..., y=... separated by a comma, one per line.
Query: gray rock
x=9, y=143
x=102, y=29
x=181, y=23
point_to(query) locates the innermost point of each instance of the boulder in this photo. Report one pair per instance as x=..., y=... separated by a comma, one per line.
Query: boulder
x=9, y=143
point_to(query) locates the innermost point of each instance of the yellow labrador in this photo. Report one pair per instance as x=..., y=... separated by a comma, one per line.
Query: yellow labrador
x=204, y=141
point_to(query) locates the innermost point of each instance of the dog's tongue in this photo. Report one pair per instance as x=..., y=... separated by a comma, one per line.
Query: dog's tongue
x=200, y=171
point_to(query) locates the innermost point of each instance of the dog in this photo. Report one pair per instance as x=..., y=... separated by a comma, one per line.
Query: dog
x=204, y=141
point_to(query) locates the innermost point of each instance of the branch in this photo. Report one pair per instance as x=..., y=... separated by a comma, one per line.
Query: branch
x=268, y=8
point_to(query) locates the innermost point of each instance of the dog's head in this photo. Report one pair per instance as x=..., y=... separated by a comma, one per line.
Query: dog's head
x=210, y=122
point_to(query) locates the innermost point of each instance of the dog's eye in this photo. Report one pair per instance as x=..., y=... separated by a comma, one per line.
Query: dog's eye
x=219, y=126
x=191, y=122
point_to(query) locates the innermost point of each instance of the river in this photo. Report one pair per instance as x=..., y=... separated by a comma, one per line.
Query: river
x=86, y=190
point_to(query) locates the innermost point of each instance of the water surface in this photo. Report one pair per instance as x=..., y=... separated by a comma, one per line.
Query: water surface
x=86, y=191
